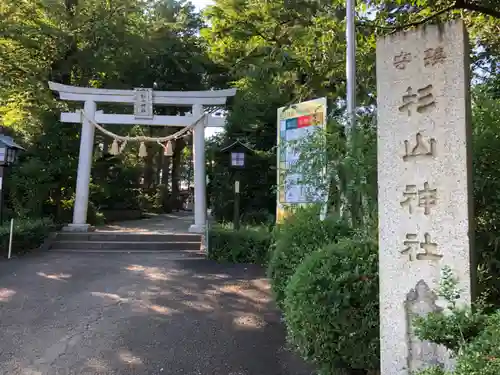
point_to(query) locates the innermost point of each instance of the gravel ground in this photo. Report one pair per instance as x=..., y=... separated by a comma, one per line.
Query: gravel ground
x=138, y=314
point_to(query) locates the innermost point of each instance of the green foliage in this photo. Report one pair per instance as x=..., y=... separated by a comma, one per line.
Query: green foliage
x=331, y=306
x=117, y=187
x=351, y=167
x=153, y=201
x=482, y=355
x=448, y=287
x=454, y=329
x=277, y=53
x=471, y=334
x=280, y=48
x=481, y=18
x=247, y=245
x=258, y=217
x=433, y=370
x=158, y=45
x=479, y=354
x=257, y=197
x=28, y=234
x=486, y=185
x=300, y=234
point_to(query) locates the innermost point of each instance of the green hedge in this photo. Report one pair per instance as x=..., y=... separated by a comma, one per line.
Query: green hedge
x=478, y=355
x=247, y=245
x=482, y=355
x=298, y=236
x=471, y=334
x=331, y=307
x=28, y=235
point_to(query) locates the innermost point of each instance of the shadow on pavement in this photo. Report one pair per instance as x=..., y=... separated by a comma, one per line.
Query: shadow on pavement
x=139, y=314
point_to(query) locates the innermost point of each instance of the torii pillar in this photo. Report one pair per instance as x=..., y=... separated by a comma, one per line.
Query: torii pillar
x=143, y=100
x=200, y=184
x=83, y=172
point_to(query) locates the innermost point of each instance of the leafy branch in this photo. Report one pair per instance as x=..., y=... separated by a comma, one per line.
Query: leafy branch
x=457, y=5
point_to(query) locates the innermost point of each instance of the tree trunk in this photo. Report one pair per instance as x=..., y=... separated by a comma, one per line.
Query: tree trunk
x=148, y=163
x=159, y=165
x=106, y=144
x=189, y=174
x=176, y=166
x=165, y=171
x=165, y=174
x=57, y=200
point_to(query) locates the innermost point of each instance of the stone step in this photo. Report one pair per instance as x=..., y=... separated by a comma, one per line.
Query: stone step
x=127, y=245
x=166, y=254
x=127, y=237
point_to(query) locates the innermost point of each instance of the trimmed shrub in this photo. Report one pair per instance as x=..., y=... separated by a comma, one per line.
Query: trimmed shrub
x=331, y=307
x=479, y=356
x=482, y=355
x=247, y=245
x=298, y=236
x=471, y=335
x=28, y=235
x=460, y=325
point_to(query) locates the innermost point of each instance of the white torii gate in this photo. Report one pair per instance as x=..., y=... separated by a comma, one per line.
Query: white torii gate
x=143, y=100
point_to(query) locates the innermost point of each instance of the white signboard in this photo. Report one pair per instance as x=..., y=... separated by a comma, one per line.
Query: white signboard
x=143, y=106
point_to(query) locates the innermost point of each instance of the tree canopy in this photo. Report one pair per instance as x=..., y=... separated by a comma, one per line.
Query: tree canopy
x=275, y=52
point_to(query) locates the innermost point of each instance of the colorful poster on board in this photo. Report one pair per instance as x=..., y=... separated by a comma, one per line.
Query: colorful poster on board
x=296, y=122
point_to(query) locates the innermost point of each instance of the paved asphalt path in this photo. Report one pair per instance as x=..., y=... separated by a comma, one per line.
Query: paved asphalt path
x=63, y=314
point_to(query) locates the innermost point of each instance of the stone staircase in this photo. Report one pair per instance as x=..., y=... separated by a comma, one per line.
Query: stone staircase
x=183, y=245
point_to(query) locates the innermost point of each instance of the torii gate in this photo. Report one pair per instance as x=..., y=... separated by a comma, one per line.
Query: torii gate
x=143, y=100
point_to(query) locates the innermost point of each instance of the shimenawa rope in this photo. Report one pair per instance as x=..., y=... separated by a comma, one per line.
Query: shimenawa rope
x=116, y=149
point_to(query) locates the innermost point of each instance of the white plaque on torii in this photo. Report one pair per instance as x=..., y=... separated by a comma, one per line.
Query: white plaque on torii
x=143, y=106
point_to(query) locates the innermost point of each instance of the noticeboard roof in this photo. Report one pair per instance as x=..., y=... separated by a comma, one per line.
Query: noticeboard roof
x=234, y=145
x=9, y=142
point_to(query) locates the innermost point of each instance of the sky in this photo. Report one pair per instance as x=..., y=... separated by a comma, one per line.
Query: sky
x=200, y=4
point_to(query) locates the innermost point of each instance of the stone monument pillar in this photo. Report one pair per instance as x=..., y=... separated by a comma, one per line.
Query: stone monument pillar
x=424, y=184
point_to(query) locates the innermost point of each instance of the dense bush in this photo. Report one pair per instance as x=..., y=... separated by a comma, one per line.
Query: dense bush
x=331, y=307
x=27, y=235
x=300, y=235
x=258, y=217
x=115, y=184
x=454, y=330
x=486, y=185
x=471, y=335
x=65, y=212
x=257, y=189
x=247, y=245
x=482, y=355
